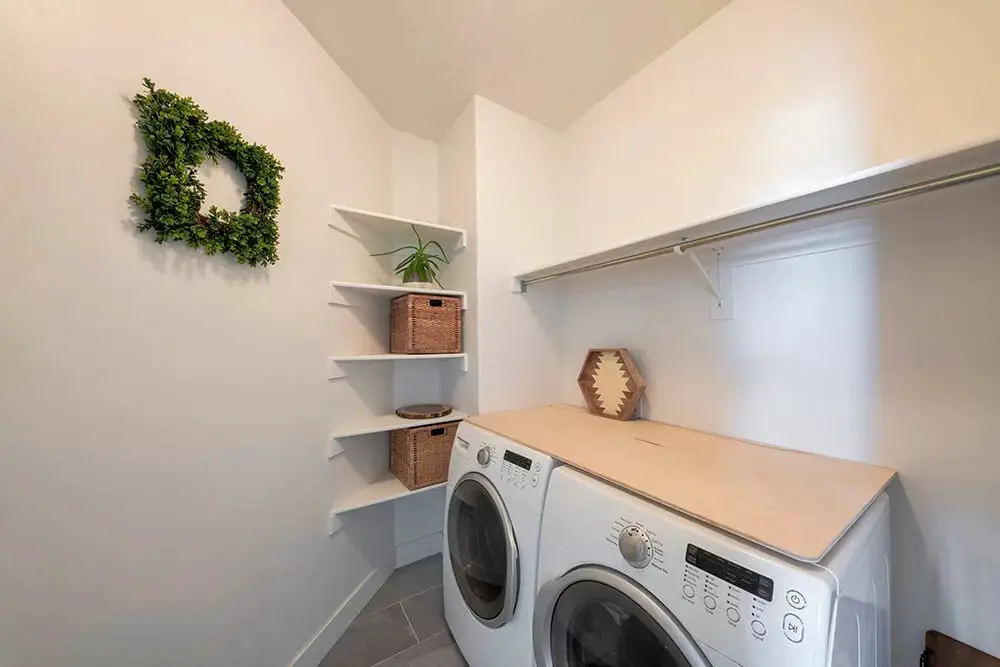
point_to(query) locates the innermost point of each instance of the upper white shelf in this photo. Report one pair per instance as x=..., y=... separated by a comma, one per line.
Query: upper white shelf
x=335, y=366
x=384, y=423
x=870, y=186
x=386, y=489
x=339, y=287
x=395, y=228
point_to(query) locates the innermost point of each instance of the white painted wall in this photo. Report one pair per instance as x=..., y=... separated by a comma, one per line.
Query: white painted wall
x=163, y=487
x=516, y=162
x=414, y=177
x=770, y=98
x=879, y=351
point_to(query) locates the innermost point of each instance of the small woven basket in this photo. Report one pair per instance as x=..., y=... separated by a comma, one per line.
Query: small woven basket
x=420, y=456
x=426, y=324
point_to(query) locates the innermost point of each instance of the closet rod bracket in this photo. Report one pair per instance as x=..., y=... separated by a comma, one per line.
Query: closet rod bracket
x=712, y=287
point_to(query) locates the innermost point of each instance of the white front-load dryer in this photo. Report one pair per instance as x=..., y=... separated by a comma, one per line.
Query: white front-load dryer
x=493, y=517
x=627, y=583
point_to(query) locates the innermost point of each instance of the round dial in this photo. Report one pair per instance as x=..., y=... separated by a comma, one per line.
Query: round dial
x=483, y=456
x=636, y=547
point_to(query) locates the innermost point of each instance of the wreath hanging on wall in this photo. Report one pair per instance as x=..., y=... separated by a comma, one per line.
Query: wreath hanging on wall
x=179, y=137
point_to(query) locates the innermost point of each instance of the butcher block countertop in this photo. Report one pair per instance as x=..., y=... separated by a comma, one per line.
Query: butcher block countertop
x=796, y=503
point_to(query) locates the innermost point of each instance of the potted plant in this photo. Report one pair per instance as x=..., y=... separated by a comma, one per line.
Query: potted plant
x=420, y=268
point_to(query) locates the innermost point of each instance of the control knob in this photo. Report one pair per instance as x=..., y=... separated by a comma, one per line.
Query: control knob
x=483, y=456
x=635, y=546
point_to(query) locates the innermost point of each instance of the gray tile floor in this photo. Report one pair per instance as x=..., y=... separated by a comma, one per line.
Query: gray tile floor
x=402, y=626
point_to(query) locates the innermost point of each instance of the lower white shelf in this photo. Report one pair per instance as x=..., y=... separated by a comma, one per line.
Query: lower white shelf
x=380, y=491
x=383, y=423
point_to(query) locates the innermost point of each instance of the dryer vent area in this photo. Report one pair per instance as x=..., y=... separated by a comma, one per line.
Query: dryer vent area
x=402, y=626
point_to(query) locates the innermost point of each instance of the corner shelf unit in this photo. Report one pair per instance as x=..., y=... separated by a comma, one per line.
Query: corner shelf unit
x=392, y=227
x=338, y=288
x=386, y=423
x=335, y=368
x=378, y=230
x=384, y=490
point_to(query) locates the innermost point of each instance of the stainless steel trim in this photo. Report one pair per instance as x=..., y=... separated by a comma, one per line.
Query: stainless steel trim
x=849, y=204
x=513, y=560
x=548, y=595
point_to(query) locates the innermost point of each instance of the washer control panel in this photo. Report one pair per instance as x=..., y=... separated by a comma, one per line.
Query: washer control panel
x=518, y=471
x=716, y=591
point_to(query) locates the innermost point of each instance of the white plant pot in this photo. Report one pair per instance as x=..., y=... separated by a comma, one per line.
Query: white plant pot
x=420, y=285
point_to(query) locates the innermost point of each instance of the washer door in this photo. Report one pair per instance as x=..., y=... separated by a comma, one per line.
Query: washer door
x=483, y=550
x=596, y=617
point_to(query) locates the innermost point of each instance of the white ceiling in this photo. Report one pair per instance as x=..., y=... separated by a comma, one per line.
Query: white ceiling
x=420, y=61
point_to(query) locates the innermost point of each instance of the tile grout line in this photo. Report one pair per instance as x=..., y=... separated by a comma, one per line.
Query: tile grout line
x=385, y=660
x=407, y=617
x=400, y=601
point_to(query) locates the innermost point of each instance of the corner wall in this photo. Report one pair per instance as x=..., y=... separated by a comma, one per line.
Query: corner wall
x=516, y=162
x=163, y=487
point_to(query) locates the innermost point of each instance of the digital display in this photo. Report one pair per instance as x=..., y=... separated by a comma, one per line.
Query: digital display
x=517, y=459
x=730, y=572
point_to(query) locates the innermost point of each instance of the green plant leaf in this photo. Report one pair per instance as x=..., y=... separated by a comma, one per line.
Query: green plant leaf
x=444, y=255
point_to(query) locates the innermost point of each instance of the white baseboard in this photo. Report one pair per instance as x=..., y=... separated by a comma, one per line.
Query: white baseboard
x=418, y=549
x=321, y=643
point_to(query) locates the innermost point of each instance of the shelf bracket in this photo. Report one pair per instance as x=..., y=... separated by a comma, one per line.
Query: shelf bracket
x=334, y=296
x=333, y=447
x=712, y=287
x=333, y=524
x=334, y=371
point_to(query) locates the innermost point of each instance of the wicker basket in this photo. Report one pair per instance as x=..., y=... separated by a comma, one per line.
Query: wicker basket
x=426, y=324
x=420, y=456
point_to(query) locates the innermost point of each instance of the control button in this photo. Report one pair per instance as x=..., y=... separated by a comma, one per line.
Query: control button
x=734, y=614
x=795, y=599
x=792, y=625
x=688, y=591
x=483, y=456
x=635, y=546
x=538, y=467
x=758, y=628
x=534, y=480
x=710, y=602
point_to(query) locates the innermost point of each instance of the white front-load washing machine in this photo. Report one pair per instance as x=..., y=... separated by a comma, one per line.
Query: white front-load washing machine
x=495, y=494
x=626, y=583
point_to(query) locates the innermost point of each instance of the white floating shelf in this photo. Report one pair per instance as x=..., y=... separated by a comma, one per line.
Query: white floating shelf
x=338, y=287
x=335, y=370
x=381, y=491
x=391, y=226
x=877, y=183
x=383, y=423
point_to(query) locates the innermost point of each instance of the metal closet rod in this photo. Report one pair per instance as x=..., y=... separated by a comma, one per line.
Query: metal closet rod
x=868, y=200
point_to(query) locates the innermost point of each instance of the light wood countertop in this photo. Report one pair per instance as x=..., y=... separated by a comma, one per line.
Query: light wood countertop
x=796, y=503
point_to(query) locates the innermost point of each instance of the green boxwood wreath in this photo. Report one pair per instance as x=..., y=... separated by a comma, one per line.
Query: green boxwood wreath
x=179, y=137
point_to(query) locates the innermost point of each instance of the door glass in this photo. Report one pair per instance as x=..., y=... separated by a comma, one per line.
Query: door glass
x=478, y=548
x=595, y=625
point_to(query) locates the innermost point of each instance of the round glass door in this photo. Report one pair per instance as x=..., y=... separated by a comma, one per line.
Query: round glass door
x=482, y=549
x=595, y=618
